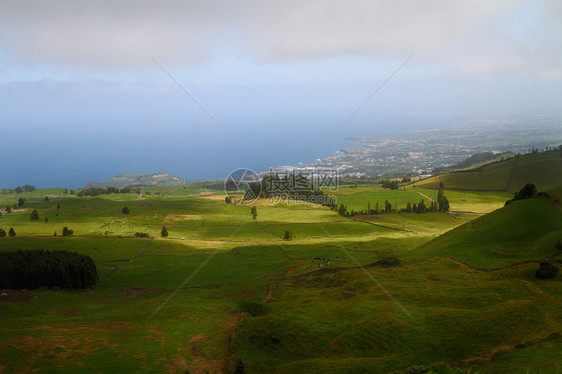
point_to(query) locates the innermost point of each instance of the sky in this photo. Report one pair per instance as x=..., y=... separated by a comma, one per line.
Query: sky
x=91, y=88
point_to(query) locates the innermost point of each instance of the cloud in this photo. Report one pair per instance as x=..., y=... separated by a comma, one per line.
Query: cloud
x=471, y=37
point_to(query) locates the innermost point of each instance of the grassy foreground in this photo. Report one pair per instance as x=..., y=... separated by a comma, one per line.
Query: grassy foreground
x=224, y=291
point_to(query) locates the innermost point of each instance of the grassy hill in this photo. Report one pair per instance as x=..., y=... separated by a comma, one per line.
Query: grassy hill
x=141, y=179
x=522, y=230
x=339, y=321
x=543, y=169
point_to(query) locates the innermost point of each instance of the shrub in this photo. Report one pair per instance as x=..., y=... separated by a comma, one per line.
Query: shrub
x=142, y=235
x=387, y=258
x=546, y=270
x=254, y=308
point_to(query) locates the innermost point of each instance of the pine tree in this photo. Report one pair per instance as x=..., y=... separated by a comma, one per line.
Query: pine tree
x=164, y=232
x=254, y=212
x=34, y=215
x=2, y=233
x=12, y=232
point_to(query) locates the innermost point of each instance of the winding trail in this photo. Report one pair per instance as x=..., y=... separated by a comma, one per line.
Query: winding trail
x=139, y=253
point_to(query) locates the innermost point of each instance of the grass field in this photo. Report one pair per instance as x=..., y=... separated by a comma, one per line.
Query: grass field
x=463, y=291
x=543, y=169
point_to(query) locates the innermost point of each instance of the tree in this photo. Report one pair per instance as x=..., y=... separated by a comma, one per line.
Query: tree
x=2, y=233
x=67, y=232
x=528, y=191
x=12, y=232
x=34, y=215
x=164, y=232
x=444, y=204
x=46, y=198
x=546, y=270
x=58, y=206
x=288, y=235
x=18, y=189
x=21, y=201
x=125, y=210
x=254, y=212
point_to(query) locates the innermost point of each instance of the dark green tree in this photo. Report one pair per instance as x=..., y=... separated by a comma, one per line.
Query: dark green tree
x=11, y=232
x=46, y=198
x=67, y=232
x=21, y=201
x=254, y=212
x=164, y=232
x=34, y=215
x=125, y=210
x=2, y=233
x=288, y=235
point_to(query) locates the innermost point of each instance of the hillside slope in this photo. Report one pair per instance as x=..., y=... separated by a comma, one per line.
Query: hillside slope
x=543, y=169
x=522, y=230
x=140, y=179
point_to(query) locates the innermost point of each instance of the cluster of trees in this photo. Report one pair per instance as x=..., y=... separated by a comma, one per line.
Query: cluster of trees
x=291, y=186
x=38, y=268
x=441, y=205
x=529, y=190
x=388, y=208
x=142, y=235
x=95, y=191
x=66, y=231
x=389, y=183
x=18, y=189
x=11, y=232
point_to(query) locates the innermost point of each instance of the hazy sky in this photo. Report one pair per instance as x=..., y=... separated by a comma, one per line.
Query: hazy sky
x=79, y=90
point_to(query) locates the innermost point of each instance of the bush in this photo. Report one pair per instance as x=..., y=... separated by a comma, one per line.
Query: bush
x=387, y=258
x=142, y=235
x=38, y=268
x=546, y=270
x=254, y=308
x=125, y=210
x=67, y=232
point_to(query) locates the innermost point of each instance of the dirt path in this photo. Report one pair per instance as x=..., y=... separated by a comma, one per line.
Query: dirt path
x=386, y=227
x=266, y=230
x=427, y=197
x=139, y=253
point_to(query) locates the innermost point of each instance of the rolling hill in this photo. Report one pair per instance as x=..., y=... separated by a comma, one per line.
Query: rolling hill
x=543, y=169
x=140, y=179
x=522, y=230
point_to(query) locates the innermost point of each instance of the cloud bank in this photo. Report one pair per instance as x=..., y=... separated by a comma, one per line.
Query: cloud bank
x=468, y=37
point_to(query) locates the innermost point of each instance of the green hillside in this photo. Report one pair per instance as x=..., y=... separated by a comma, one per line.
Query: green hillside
x=543, y=169
x=342, y=322
x=522, y=230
